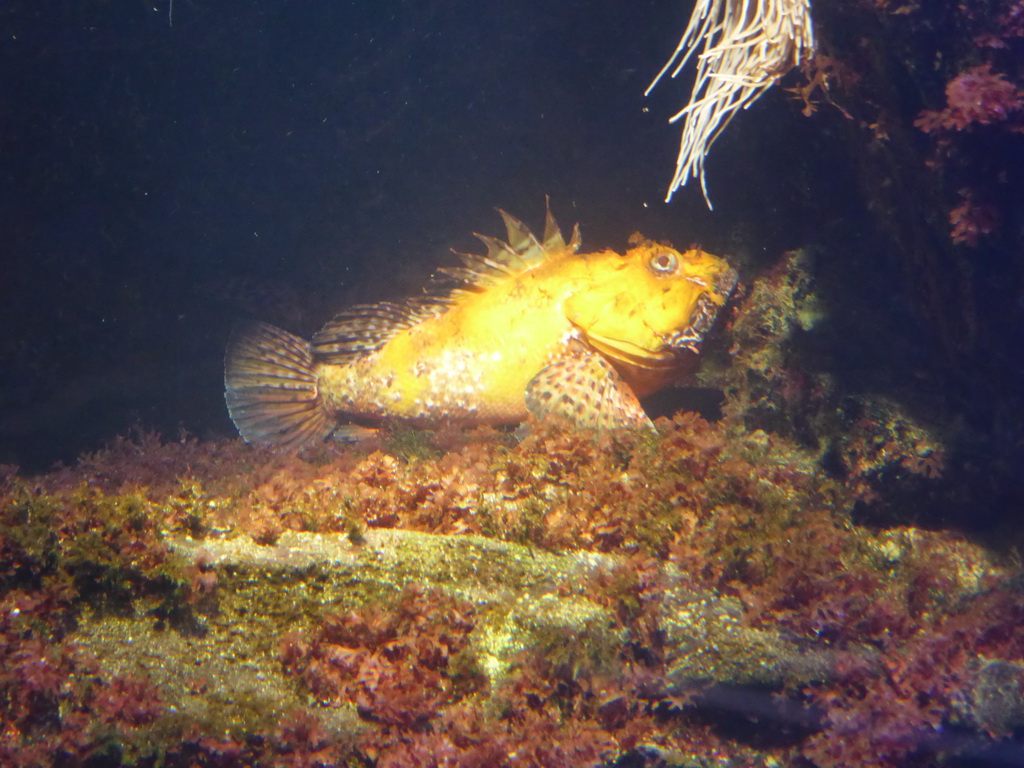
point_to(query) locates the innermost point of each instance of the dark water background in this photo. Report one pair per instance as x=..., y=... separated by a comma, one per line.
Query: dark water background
x=159, y=181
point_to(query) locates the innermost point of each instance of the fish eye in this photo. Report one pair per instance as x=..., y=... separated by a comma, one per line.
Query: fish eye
x=663, y=263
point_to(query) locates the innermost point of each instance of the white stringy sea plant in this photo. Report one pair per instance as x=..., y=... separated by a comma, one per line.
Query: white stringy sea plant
x=745, y=47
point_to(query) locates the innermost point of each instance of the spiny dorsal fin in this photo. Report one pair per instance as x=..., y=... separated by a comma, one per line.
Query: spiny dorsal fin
x=553, y=239
x=522, y=252
x=521, y=240
x=499, y=261
x=365, y=328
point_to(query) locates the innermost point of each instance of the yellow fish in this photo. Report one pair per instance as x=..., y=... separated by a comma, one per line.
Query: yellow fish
x=530, y=326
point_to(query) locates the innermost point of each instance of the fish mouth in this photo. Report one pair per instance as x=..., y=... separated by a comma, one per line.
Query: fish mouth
x=726, y=282
x=670, y=345
x=703, y=317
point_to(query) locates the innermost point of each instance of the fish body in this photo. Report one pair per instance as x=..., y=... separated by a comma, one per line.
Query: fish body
x=531, y=326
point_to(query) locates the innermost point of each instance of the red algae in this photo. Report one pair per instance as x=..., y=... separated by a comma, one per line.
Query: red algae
x=907, y=621
x=977, y=96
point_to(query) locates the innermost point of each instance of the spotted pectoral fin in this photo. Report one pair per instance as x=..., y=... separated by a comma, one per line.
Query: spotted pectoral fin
x=587, y=391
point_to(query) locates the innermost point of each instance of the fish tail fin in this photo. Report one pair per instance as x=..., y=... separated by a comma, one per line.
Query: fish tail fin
x=271, y=389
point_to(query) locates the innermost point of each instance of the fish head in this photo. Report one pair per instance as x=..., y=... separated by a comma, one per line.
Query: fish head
x=653, y=305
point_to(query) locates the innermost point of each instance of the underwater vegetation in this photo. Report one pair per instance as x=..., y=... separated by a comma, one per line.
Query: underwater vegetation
x=455, y=598
x=774, y=587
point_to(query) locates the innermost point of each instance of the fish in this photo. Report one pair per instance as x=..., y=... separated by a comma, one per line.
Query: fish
x=532, y=326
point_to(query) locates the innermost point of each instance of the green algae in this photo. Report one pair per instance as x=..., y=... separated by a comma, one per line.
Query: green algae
x=227, y=677
x=526, y=601
x=104, y=546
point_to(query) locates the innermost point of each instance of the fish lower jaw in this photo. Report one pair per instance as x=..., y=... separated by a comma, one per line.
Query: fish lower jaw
x=633, y=354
